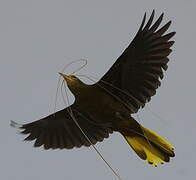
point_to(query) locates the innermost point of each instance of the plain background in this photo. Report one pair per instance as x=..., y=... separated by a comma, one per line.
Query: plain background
x=39, y=37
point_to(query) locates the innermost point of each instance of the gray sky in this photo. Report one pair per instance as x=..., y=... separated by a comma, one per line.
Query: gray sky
x=39, y=37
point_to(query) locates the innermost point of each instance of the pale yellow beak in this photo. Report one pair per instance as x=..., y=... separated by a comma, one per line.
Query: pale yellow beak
x=62, y=74
x=66, y=77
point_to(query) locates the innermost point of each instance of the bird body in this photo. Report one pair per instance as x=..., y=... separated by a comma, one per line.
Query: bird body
x=105, y=109
x=102, y=106
x=107, y=105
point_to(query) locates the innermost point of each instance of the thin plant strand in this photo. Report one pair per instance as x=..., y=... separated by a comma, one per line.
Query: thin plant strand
x=75, y=61
x=73, y=117
x=56, y=95
x=59, y=78
x=87, y=138
x=144, y=135
x=129, y=95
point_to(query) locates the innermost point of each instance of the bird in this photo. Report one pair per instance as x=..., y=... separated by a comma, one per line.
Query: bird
x=108, y=105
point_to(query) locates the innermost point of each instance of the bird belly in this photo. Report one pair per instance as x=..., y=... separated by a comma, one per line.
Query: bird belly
x=103, y=108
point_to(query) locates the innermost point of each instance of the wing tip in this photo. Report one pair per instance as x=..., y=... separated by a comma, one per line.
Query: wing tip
x=153, y=11
x=143, y=22
x=174, y=32
x=15, y=124
x=150, y=20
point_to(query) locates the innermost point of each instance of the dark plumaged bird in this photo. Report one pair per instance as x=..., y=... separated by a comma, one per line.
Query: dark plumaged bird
x=107, y=105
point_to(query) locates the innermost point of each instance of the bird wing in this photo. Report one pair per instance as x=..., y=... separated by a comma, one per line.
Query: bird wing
x=60, y=131
x=136, y=74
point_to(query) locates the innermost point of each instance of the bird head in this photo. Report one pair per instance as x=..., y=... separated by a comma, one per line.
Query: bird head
x=74, y=84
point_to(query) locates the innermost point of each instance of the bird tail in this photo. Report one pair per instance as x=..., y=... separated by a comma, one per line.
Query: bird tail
x=150, y=146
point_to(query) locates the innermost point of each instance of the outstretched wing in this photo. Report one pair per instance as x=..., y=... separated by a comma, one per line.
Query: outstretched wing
x=60, y=131
x=136, y=74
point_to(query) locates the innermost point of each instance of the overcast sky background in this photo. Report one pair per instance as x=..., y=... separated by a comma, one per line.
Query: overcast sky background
x=39, y=37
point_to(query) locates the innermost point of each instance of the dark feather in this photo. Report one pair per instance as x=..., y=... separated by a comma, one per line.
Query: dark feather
x=60, y=131
x=138, y=71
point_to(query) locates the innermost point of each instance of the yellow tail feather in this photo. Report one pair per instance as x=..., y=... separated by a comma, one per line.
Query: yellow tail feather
x=150, y=147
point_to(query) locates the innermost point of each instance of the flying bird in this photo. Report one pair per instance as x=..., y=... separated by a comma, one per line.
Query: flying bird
x=108, y=105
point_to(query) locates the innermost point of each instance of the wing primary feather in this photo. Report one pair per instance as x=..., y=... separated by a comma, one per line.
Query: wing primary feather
x=157, y=23
x=39, y=140
x=33, y=135
x=69, y=144
x=160, y=53
x=168, y=36
x=149, y=21
x=25, y=131
x=143, y=22
x=161, y=31
x=160, y=46
x=47, y=140
x=61, y=142
x=158, y=61
x=165, y=67
x=69, y=137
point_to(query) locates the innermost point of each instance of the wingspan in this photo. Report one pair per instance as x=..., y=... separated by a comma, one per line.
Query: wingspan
x=136, y=74
x=60, y=131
